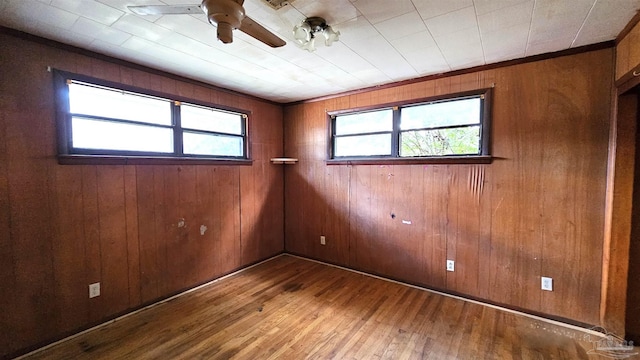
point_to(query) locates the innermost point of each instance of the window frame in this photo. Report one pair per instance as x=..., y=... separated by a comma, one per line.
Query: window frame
x=67, y=154
x=484, y=156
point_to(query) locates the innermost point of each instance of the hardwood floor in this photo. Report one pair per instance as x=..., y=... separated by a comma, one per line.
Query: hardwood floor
x=291, y=308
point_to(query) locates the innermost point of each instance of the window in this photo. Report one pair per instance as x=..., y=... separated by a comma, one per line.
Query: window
x=103, y=119
x=456, y=126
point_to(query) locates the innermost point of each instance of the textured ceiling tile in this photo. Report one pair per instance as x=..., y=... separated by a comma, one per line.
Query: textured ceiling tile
x=381, y=41
x=597, y=26
x=506, y=17
x=357, y=29
x=453, y=22
x=461, y=47
x=93, y=10
x=505, y=45
x=487, y=6
x=334, y=11
x=427, y=60
x=381, y=54
x=553, y=44
x=122, y=5
x=140, y=27
x=24, y=10
x=188, y=26
x=403, y=25
x=100, y=31
x=345, y=58
x=415, y=41
x=380, y=10
x=429, y=9
x=552, y=18
x=62, y=35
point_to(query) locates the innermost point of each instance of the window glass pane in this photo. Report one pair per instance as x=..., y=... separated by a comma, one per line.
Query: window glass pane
x=202, y=118
x=365, y=145
x=367, y=122
x=209, y=144
x=456, y=141
x=117, y=104
x=448, y=113
x=109, y=135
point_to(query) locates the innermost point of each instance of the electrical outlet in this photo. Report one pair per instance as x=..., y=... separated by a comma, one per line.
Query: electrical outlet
x=323, y=240
x=94, y=290
x=546, y=284
x=451, y=265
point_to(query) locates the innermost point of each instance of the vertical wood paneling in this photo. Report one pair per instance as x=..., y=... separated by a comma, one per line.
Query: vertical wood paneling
x=632, y=308
x=208, y=223
x=619, y=206
x=31, y=238
x=250, y=235
x=91, y=228
x=189, y=201
x=566, y=195
x=452, y=216
x=516, y=218
x=336, y=216
x=228, y=183
x=628, y=53
x=133, y=241
x=360, y=229
x=69, y=250
x=114, y=277
x=174, y=228
x=7, y=269
x=469, y=209
x=622, y=57
x=408, y=225
x=148, y=241
x=294, y=183
x=64, y=227
x=534, y=211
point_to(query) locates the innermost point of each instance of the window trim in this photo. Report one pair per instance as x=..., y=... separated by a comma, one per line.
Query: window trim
x=66, y=154
x=485, y=129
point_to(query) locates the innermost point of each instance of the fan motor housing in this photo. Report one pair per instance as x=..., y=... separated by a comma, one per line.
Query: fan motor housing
x=226, y=15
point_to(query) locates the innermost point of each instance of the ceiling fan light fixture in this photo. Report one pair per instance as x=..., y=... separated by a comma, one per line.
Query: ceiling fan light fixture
x=310, y=45
x=305, y=33
x=302, y=33
x=330, y=36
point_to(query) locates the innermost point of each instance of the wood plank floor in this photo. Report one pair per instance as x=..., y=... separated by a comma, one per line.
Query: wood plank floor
x=291, y=308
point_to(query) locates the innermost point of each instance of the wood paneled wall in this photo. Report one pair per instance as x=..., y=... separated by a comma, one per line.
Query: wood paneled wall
x=628, y=52
x=537, y=210
x=63, y=227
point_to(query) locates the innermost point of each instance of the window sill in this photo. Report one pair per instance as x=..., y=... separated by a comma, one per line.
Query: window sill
x=142, y=160
x=472, y=159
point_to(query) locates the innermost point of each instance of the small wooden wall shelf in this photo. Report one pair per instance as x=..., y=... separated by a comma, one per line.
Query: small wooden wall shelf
x=286, y=161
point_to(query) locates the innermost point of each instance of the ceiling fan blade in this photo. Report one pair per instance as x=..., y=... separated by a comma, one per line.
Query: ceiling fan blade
x=166, y=9
x=252, y=28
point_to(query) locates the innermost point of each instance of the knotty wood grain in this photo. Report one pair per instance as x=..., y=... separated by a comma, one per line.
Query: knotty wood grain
x=291, y=308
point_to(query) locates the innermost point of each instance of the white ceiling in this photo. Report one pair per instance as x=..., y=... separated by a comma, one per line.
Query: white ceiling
x=382, y=41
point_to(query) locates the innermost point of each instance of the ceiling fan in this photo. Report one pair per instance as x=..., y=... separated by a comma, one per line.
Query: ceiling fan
x=226, y=15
